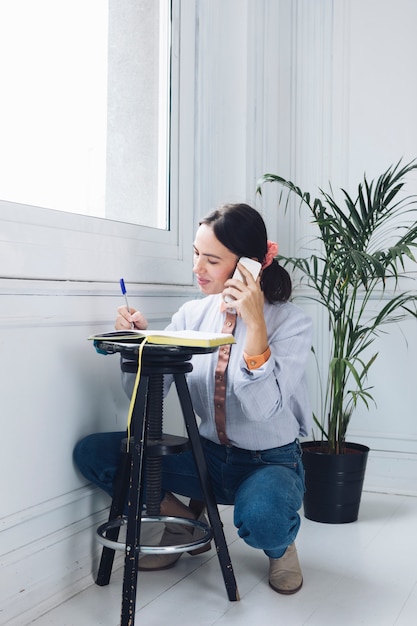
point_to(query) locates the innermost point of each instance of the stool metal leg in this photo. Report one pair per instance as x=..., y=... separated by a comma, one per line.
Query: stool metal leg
x=212, y=510
x=120, y=489
x=135, y=505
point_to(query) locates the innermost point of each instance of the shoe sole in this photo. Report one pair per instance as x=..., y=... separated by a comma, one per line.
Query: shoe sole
x=286, y=592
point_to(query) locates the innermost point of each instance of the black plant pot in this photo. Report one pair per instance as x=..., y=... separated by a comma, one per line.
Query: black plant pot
x=333, y=482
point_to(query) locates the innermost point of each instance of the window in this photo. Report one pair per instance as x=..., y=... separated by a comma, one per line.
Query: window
x=138, y=111
x=94, y=144
x=85, y=125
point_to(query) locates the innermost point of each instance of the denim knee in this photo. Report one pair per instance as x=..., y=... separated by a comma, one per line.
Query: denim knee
x=266, y=508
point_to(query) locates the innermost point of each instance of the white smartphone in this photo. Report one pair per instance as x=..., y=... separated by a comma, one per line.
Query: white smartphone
x=253, y=266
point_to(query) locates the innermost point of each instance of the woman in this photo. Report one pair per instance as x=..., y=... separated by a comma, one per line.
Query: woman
x=252, y=407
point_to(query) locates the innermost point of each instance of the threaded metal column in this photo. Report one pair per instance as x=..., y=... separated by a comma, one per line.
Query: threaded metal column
x=154, y=412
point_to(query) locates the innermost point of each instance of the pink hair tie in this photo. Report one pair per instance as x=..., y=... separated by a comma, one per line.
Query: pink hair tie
x=271, y=253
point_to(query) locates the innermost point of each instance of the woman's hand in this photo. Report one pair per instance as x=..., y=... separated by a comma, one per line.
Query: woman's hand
x=126, y=320
x=249, y=305
x=248, y=299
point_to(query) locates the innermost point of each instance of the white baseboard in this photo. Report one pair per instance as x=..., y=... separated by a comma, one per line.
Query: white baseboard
x=44, y=562
x=40, y=573
x=391, y=472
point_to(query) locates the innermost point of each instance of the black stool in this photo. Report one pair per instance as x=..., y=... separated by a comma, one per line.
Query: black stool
x=147, y=445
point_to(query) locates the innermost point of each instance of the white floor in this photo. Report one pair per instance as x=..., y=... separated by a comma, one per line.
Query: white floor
x=354, y=574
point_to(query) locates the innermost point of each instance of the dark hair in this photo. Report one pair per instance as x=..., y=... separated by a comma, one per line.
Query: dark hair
x=242, y=230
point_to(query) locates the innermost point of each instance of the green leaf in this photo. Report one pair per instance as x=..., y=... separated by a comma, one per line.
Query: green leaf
x=357, y=276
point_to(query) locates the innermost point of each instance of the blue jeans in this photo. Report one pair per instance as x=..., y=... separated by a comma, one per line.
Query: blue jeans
x=266, y=487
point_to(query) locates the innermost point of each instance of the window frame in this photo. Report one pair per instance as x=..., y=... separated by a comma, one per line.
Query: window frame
x=40, y=243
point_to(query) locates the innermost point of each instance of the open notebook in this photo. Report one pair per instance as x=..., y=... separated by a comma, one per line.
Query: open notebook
x=167, y=337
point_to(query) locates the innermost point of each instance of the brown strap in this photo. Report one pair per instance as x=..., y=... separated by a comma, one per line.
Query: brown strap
x=220, y=381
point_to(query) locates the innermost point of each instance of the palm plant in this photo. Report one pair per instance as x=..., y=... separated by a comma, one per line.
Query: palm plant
x=364, y=244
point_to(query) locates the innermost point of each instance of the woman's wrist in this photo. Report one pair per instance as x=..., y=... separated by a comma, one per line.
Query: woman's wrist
x=256, y=341
x=253, y=362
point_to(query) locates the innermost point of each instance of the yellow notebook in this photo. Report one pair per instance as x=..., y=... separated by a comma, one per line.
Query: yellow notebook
x=195, y=338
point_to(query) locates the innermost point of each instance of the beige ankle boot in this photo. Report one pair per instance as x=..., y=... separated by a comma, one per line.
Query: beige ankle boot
x=285, y=573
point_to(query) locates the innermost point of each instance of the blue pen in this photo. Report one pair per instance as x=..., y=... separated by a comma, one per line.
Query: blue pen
x=123, y=288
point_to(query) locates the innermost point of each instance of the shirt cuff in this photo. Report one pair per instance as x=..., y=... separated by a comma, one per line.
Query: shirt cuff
x=254, y=362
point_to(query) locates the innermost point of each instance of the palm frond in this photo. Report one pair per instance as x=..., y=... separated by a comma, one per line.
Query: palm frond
x=365, y=242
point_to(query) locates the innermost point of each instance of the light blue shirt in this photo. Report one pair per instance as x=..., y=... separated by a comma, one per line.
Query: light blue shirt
x=267, y=407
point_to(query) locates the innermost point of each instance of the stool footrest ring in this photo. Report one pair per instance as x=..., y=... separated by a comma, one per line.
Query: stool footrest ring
x=206, y=537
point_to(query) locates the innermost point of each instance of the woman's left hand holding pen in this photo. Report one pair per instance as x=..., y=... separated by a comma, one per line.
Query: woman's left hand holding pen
x=126, y=317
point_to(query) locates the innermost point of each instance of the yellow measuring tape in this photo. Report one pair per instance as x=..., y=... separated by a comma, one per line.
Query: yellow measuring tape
x=135, y=391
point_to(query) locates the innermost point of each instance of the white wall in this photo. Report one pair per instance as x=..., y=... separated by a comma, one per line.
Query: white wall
x=350, y=112
x=55, y=389
x=315, y=91
x=378, y=127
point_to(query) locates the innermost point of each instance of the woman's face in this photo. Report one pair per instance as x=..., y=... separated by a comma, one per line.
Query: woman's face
x=213, y=262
